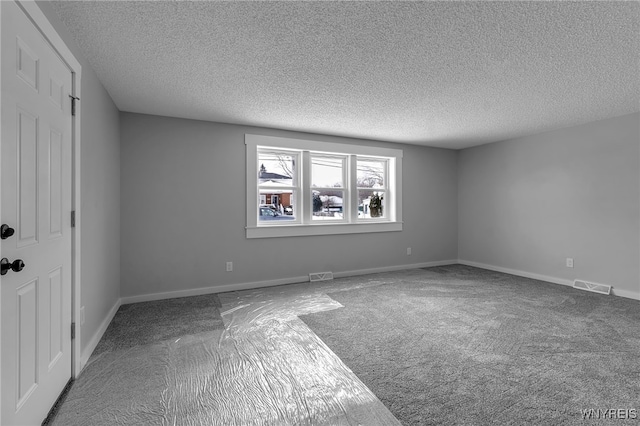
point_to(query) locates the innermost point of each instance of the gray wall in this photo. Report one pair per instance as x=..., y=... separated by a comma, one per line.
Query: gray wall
x=528, y=204
x=100, y=192
x=183, y=211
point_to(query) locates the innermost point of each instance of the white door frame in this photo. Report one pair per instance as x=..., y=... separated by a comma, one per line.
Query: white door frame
x=42, y=23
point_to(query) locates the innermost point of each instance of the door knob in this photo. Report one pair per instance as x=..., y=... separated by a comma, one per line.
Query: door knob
x=6, y=231
x=16, y=266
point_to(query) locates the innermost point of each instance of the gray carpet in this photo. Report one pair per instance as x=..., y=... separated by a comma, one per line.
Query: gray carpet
x=153, y=322
x=459, y=345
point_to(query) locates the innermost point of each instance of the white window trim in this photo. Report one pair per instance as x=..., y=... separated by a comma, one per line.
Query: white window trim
x=394, y=184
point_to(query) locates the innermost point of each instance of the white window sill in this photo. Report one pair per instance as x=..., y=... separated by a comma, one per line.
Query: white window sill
x=272, y=231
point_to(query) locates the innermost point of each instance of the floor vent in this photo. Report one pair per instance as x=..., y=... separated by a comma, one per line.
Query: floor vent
x=596, y=288
x=320, y=276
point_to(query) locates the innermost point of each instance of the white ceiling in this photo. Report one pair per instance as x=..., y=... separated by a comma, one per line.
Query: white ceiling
x=447, y=74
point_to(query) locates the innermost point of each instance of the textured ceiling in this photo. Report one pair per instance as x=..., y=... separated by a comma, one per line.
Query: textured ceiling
x=449, y=74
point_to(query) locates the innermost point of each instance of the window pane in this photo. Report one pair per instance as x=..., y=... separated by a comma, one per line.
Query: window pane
x=277, y=205
x=327, y=205
x=326, y=172
x=371, y=173
x=371, y=204
x=276, y=169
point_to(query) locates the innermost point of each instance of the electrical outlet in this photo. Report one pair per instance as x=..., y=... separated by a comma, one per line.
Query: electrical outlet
x=569, y=262
x=229, y=266
x=82, y=316
x=408, y=251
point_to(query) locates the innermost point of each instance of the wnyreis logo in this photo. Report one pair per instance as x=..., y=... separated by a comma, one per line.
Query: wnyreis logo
x=609, y=413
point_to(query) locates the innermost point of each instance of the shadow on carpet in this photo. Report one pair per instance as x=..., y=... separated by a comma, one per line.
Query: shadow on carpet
x=461, y=345
x=152, y=322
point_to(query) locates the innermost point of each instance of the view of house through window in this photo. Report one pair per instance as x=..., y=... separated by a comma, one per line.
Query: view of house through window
x=277, y=179
x=279, y=175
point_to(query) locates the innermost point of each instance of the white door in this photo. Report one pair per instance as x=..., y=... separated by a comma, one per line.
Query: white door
x=36, y=202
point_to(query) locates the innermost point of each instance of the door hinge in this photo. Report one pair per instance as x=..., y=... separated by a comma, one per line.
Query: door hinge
x=73, y=104
x=73, y=330
x=73, y=218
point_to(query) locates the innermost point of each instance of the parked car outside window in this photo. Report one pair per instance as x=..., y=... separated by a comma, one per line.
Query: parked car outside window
x=267, y=213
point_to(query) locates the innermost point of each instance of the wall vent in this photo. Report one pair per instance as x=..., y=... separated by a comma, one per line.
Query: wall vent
x=595, y=287
x=320, y=276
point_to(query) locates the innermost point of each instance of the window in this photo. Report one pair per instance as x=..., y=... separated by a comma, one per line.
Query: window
x=300, y=187
x=328, y=187
x=371, y=178
x=278, y=187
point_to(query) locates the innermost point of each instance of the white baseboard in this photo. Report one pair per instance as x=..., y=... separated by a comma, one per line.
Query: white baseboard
x=531, y=275
x=554, y=280
x=208, y=290
x=270, y=283
x=357, y=272
x=91, y=346
x=626, y=293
